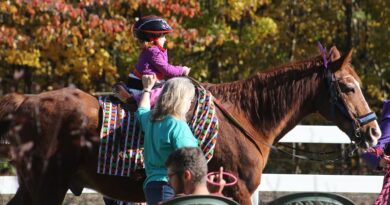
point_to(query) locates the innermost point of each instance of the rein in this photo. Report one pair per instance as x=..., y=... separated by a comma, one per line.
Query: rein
x=272, y=147
x=234, y=120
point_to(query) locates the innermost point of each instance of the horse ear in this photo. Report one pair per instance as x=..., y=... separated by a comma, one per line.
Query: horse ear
x=347, y=57
x=334, y=54
x=343, y=60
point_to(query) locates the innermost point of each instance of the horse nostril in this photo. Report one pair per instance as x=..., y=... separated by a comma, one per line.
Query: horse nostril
x=374, y=133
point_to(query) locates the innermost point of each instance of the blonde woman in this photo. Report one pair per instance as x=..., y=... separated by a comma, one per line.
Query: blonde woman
x=165, y=130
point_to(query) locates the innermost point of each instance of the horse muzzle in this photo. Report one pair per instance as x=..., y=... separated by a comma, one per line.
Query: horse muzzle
x=368, y=135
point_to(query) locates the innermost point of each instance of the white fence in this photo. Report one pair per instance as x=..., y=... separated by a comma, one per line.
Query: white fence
x=323, y=183
x=317, y=183
x=290, y=182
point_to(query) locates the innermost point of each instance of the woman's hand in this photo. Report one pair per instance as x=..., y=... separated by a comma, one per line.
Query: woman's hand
x=148, y=81
x=218, y=178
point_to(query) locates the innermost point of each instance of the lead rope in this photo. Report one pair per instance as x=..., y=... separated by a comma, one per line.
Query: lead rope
x=384, y=195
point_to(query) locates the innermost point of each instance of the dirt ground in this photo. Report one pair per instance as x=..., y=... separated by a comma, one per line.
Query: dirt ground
x=96, y=199
x=84, y=199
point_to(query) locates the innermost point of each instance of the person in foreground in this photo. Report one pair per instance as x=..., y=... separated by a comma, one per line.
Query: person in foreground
x=378, y=157
x=187, y=172
x=165, y=130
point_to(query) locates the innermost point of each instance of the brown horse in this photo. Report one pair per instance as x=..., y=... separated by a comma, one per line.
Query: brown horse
x=54, y=140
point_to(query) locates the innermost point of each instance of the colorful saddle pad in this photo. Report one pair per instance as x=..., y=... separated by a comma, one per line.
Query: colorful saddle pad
x=121, y=140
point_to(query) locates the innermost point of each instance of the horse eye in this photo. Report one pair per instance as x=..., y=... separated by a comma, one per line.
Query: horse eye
x=347, y=89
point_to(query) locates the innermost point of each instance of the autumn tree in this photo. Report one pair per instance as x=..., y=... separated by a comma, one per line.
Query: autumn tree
x=88, y=43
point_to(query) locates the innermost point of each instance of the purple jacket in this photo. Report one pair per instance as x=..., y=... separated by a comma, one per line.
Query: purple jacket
x=154, y=60
x=370, y=158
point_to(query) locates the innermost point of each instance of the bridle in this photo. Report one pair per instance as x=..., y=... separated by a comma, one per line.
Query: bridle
x=338, y=102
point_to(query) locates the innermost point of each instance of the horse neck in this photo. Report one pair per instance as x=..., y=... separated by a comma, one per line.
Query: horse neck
x=274, y=102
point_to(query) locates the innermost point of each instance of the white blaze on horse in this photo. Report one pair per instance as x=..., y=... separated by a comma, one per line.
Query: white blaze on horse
x=55, y=143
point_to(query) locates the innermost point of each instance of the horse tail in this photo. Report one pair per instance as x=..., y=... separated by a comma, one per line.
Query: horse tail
x=8, y=105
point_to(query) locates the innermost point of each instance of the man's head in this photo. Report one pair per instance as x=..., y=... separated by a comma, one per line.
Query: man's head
x=187, y=169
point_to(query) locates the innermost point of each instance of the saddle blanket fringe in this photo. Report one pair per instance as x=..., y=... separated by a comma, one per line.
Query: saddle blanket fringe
x=121, y=143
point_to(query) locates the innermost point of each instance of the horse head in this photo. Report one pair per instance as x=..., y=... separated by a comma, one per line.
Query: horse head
x=345, y=105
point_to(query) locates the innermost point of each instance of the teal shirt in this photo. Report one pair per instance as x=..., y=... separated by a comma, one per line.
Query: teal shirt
x=160, y=139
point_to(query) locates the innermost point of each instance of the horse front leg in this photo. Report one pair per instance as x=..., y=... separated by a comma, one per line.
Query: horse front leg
x=22, y=197
x=47, y=181
x=52, y=191
x=241, y=194
x=50, y=187
x=49, y=190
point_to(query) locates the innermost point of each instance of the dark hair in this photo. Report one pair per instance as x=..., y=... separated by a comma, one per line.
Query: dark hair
x=189, y=158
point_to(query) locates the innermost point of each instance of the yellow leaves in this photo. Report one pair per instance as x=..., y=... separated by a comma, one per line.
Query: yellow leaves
x=237, y=8
x=266, y=25
x=3, y=6
x=13, y=9
x=23, y=57
x=260, y=28
x=101, y=61
x=91, y=51
x=86, y=64
x=85, y=79
x=375, y=92
x=104, y=53
x=374, y=23
x=8, y=8
x=74, y=41
x=220, y=39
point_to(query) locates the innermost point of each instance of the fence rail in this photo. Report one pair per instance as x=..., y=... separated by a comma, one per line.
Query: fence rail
x=320, y=183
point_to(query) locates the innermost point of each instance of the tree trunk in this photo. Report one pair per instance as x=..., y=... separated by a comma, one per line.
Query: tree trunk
x=27, y=79
x=293, y=30
x=348, y=23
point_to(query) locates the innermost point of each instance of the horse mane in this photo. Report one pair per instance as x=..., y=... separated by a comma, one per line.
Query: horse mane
x=269, y=95
x=8, y=104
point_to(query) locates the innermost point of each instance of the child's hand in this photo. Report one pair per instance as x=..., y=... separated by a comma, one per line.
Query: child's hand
x=219, y=179
x=186, y=70
x=148, y=81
